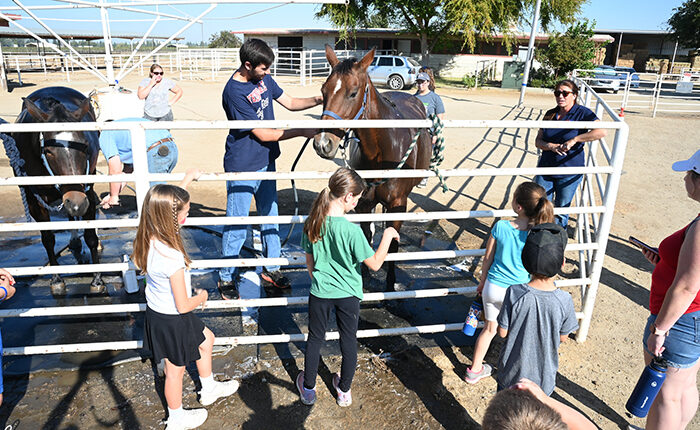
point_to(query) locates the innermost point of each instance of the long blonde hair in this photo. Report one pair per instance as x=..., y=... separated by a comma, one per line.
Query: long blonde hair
x=533, y=199
x=341, y=183
x=159, y=221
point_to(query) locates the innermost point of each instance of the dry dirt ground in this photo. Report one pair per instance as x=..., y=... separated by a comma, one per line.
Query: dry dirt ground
x=410, y=388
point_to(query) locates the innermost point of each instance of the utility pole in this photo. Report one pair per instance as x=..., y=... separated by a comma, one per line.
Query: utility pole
x=530, y=52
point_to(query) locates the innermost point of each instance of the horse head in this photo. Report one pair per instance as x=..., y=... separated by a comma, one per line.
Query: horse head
x=65, y=152
x=345, y=96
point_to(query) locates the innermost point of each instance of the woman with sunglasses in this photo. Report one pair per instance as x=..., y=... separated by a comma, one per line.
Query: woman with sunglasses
x=564, y=147
x=156, y=90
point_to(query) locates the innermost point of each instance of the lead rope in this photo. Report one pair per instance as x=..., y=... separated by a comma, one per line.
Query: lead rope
x=17, y=164
x=438, y=150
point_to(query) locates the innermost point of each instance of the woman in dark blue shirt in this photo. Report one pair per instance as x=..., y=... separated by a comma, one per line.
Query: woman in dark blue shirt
x=564, y=147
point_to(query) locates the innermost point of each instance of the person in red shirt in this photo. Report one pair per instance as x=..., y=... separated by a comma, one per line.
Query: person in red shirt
x=672, y=329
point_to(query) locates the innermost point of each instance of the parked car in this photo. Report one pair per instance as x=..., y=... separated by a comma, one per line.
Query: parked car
x=634, y=77
x=394, y=71
x=606, y=78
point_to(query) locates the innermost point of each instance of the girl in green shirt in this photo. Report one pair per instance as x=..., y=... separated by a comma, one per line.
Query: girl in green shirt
x=335, y=250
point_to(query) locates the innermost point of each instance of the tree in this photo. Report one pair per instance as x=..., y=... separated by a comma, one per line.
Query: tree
x=225, y=39
x=435, y=20
x=574, y=49
x=685, y=23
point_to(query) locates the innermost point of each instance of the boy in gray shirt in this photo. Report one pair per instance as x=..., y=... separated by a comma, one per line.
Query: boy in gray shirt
x=536, y=317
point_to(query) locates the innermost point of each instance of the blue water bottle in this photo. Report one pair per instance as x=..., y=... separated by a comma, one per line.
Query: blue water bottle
x=473, y=317
x=647, y=388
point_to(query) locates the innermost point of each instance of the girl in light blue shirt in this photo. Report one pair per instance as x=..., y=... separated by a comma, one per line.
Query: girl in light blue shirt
x=503, y=265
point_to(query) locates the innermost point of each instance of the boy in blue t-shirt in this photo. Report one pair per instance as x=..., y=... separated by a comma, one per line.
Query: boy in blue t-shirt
x=248, y=95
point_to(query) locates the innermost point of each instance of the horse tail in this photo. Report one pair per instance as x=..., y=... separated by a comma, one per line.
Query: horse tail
x=319, y=211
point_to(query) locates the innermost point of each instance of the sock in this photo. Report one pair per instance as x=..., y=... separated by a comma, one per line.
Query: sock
x=308, y=389
x=208, y=383
x=174, y=414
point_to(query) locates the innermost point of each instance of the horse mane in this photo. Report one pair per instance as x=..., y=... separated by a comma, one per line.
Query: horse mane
x=345, y=66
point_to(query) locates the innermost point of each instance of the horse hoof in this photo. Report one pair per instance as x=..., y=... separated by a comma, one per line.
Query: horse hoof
x=58, y=288
x=98, y=288
x=99, y=246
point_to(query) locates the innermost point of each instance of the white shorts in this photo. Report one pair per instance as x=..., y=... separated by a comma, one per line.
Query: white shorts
x=493, y=296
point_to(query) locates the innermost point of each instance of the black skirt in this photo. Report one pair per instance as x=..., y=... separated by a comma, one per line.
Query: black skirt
x=175, y=337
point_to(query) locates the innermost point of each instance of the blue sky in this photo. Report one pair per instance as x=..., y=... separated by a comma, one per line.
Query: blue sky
x=608, y=14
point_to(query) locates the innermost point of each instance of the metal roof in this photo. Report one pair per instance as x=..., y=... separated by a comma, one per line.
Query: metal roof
x=14, y=32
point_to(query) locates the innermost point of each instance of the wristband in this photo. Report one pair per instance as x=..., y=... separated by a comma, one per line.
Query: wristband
x=657, y=331
x=5, y=296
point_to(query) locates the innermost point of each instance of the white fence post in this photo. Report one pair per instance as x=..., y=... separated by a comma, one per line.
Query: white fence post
x=139, y=153
x=612, y=186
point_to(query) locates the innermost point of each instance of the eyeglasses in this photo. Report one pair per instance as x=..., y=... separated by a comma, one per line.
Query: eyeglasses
x=157, y=73
x=558, y=93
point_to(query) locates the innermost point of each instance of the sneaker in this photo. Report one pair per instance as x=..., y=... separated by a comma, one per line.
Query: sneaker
x=423, y=183
x=190, y=419
x=221, y=389
x=274, y=279
x=473, y=378
x=308, y=397
x=343, y=399
x=228, y=290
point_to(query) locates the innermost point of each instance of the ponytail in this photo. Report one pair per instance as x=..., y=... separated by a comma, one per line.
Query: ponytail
x=533, y=199
x=341, y=183
x=317, y=217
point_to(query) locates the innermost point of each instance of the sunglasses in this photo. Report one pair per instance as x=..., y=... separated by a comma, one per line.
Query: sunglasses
x=558, y=93
x=157, y=73
x=420, y=82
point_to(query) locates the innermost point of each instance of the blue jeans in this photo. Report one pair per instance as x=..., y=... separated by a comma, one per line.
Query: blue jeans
x=239, y=195
x=562, y=189
x=683, y=341
x=162, y=164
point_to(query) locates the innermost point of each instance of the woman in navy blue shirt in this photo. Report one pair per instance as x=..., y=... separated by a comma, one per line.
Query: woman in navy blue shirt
x=564, y=147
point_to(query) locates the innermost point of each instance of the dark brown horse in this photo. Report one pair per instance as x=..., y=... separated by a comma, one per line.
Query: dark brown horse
x=54, y=153
x=348, y=93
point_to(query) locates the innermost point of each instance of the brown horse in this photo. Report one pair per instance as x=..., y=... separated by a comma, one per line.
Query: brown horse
x=348, y=93
x=53, y=153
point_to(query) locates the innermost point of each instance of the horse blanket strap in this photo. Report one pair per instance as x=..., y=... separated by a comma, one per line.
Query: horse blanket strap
x=408, y=152
x=160, y=142
x=78, y=146
x=438, y=149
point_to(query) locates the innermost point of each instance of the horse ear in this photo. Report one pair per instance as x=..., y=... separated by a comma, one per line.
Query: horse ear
x=367, y=60
x=82, y=110
x=330, y=56
x=34, y=110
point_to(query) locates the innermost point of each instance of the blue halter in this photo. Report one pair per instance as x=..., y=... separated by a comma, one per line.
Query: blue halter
x=359, y=113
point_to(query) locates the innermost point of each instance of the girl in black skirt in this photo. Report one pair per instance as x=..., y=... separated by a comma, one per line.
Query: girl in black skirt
x=172, y=331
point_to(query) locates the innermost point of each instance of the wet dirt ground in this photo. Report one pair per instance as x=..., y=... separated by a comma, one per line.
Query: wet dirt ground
x=402, y=382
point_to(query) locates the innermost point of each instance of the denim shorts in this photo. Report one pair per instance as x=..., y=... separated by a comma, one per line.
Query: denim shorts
x=683, y=341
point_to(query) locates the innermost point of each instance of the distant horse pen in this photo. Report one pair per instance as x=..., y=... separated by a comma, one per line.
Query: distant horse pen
x=594, y=209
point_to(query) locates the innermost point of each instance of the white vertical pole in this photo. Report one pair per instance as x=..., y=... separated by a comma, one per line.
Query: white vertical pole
x=3, y=75
x=619, y=44
x=612, y=186
x=530, y=52
x=673, y=60
x=139, y=153
x=109, y=62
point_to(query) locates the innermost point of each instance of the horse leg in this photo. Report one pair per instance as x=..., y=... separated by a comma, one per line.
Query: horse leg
x=75, y=245
x=394, y=247
x=93, y=243
x=58, y=287
x=40, y=214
